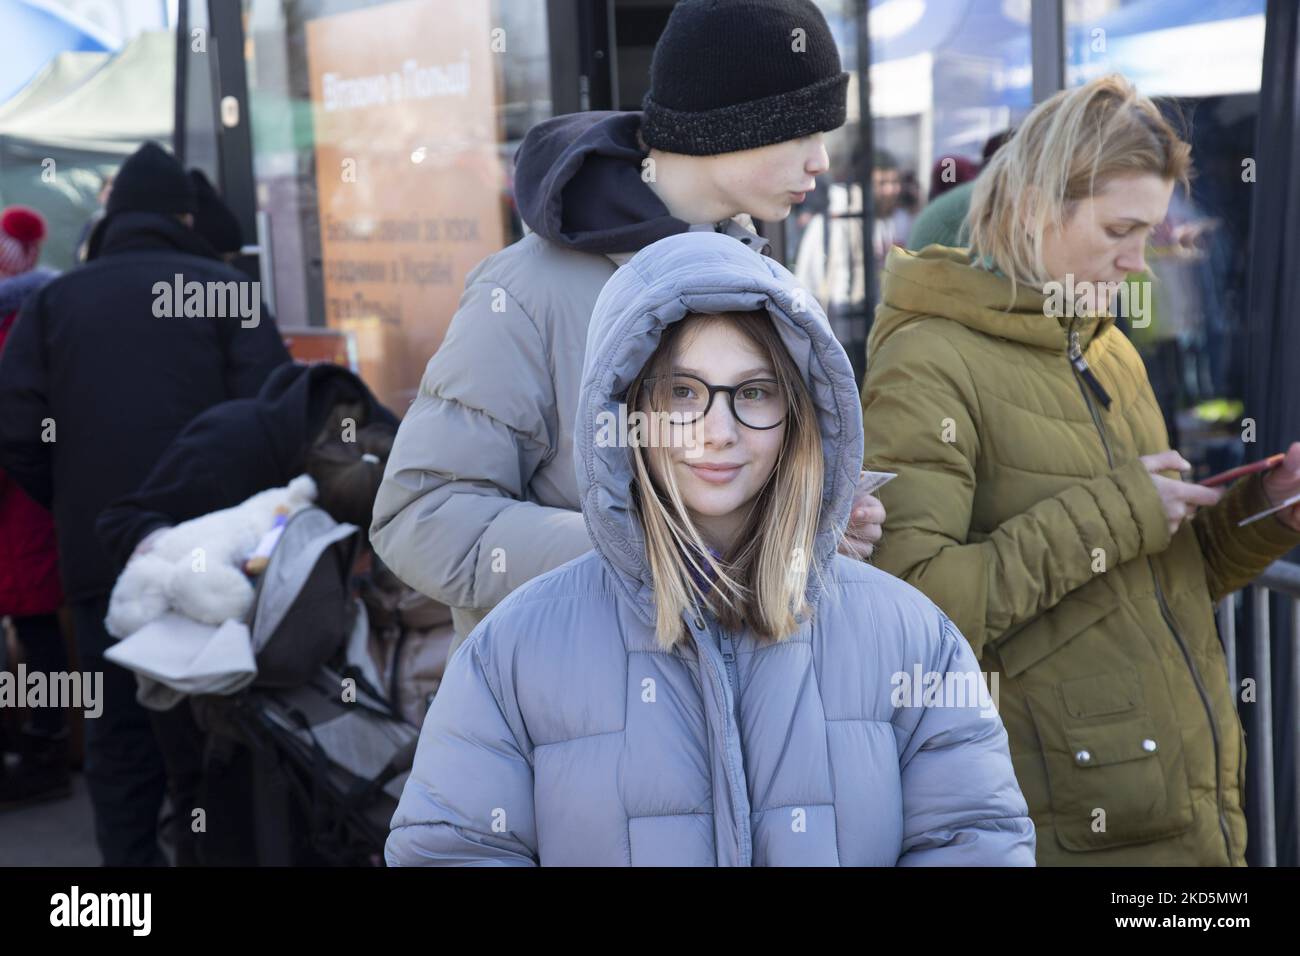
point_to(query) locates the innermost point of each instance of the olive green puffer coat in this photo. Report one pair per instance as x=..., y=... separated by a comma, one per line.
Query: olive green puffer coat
x=1022, y=510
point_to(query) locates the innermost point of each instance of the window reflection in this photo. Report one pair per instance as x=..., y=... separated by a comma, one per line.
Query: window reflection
x=383, y=138
x=1205, y=58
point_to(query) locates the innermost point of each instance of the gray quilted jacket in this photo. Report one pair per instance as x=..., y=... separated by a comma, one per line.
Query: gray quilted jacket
x=562, y=734
x=479, y=495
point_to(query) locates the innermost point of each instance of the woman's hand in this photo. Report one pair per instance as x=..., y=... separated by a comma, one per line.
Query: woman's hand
x=866, y=526
x=1180, y=498
x=1283, y=482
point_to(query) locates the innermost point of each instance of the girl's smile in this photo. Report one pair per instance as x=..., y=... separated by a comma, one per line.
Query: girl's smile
x=715, y=474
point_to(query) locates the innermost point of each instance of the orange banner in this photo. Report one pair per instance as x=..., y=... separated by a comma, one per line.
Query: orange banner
x=410, y=177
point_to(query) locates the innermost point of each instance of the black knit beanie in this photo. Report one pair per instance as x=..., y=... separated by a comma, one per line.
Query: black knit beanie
x=729, y=75
x=151, y=180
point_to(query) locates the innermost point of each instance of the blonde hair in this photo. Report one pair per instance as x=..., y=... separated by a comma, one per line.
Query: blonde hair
x=762, y=583
x=1066, y=150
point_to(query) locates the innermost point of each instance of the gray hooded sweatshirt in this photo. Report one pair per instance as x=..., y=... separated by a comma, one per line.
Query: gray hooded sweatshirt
x=563, y=734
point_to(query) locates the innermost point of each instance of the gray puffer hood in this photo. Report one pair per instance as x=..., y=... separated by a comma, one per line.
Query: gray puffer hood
x=665, y=282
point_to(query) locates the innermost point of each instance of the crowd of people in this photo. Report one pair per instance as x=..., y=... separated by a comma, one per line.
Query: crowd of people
x=707, y=648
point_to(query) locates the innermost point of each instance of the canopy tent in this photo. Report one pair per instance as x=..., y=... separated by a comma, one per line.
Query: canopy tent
x=56, y=79
x=56, y=150
x=127, y=100
x=33, y=34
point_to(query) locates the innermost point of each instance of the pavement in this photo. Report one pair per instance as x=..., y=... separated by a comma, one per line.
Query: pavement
x=58, y=833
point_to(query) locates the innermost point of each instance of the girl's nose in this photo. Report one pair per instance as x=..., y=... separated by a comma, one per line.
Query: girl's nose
x=719, y=426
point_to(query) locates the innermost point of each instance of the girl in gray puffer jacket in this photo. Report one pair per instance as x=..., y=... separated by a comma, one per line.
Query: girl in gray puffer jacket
x=713, y=684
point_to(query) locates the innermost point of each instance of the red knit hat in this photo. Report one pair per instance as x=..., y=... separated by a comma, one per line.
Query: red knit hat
x=22, y=230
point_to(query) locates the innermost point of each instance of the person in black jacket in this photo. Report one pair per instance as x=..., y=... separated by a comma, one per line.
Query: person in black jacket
x=238, y=448
x=321, y=420
x=99, y=375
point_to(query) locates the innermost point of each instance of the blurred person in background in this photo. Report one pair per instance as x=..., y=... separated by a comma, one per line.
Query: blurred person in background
x=949, y=172
x=30, y=593
x=83, y=241
x=94, y=385
x=237, y=448
x=941, y=220
x=886, y=192
x=809, y=215
x=909, y=204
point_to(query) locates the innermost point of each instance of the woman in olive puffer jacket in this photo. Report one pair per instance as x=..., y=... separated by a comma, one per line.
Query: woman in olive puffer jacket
x=1038, y=502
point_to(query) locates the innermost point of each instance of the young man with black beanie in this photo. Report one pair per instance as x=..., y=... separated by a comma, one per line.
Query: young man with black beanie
x=479, y=495
x=94, y=385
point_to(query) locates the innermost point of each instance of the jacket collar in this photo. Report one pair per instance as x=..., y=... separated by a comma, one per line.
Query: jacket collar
x=739, y=227
x=146, y=231
x=942, y=281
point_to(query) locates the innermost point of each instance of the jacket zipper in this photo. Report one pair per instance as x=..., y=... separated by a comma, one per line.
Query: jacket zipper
x=1081, y=367
x=736, y=781
x=1084, y=374
x=1205, y=700
x=733, y=678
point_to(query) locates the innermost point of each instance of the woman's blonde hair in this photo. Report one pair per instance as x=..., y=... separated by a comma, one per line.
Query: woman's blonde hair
x=761, y=585
x=1066, y=150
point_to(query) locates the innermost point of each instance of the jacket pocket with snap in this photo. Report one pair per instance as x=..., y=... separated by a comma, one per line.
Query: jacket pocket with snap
x=1028, y=644
x=1116, y=773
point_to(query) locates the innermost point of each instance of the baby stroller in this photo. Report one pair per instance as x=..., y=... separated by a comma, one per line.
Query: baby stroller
x=322, y=753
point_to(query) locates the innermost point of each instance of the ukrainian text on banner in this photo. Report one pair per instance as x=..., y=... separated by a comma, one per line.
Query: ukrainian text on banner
x=409, y=175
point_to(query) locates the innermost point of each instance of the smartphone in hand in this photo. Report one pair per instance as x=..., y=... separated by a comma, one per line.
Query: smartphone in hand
x=1232, y=474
